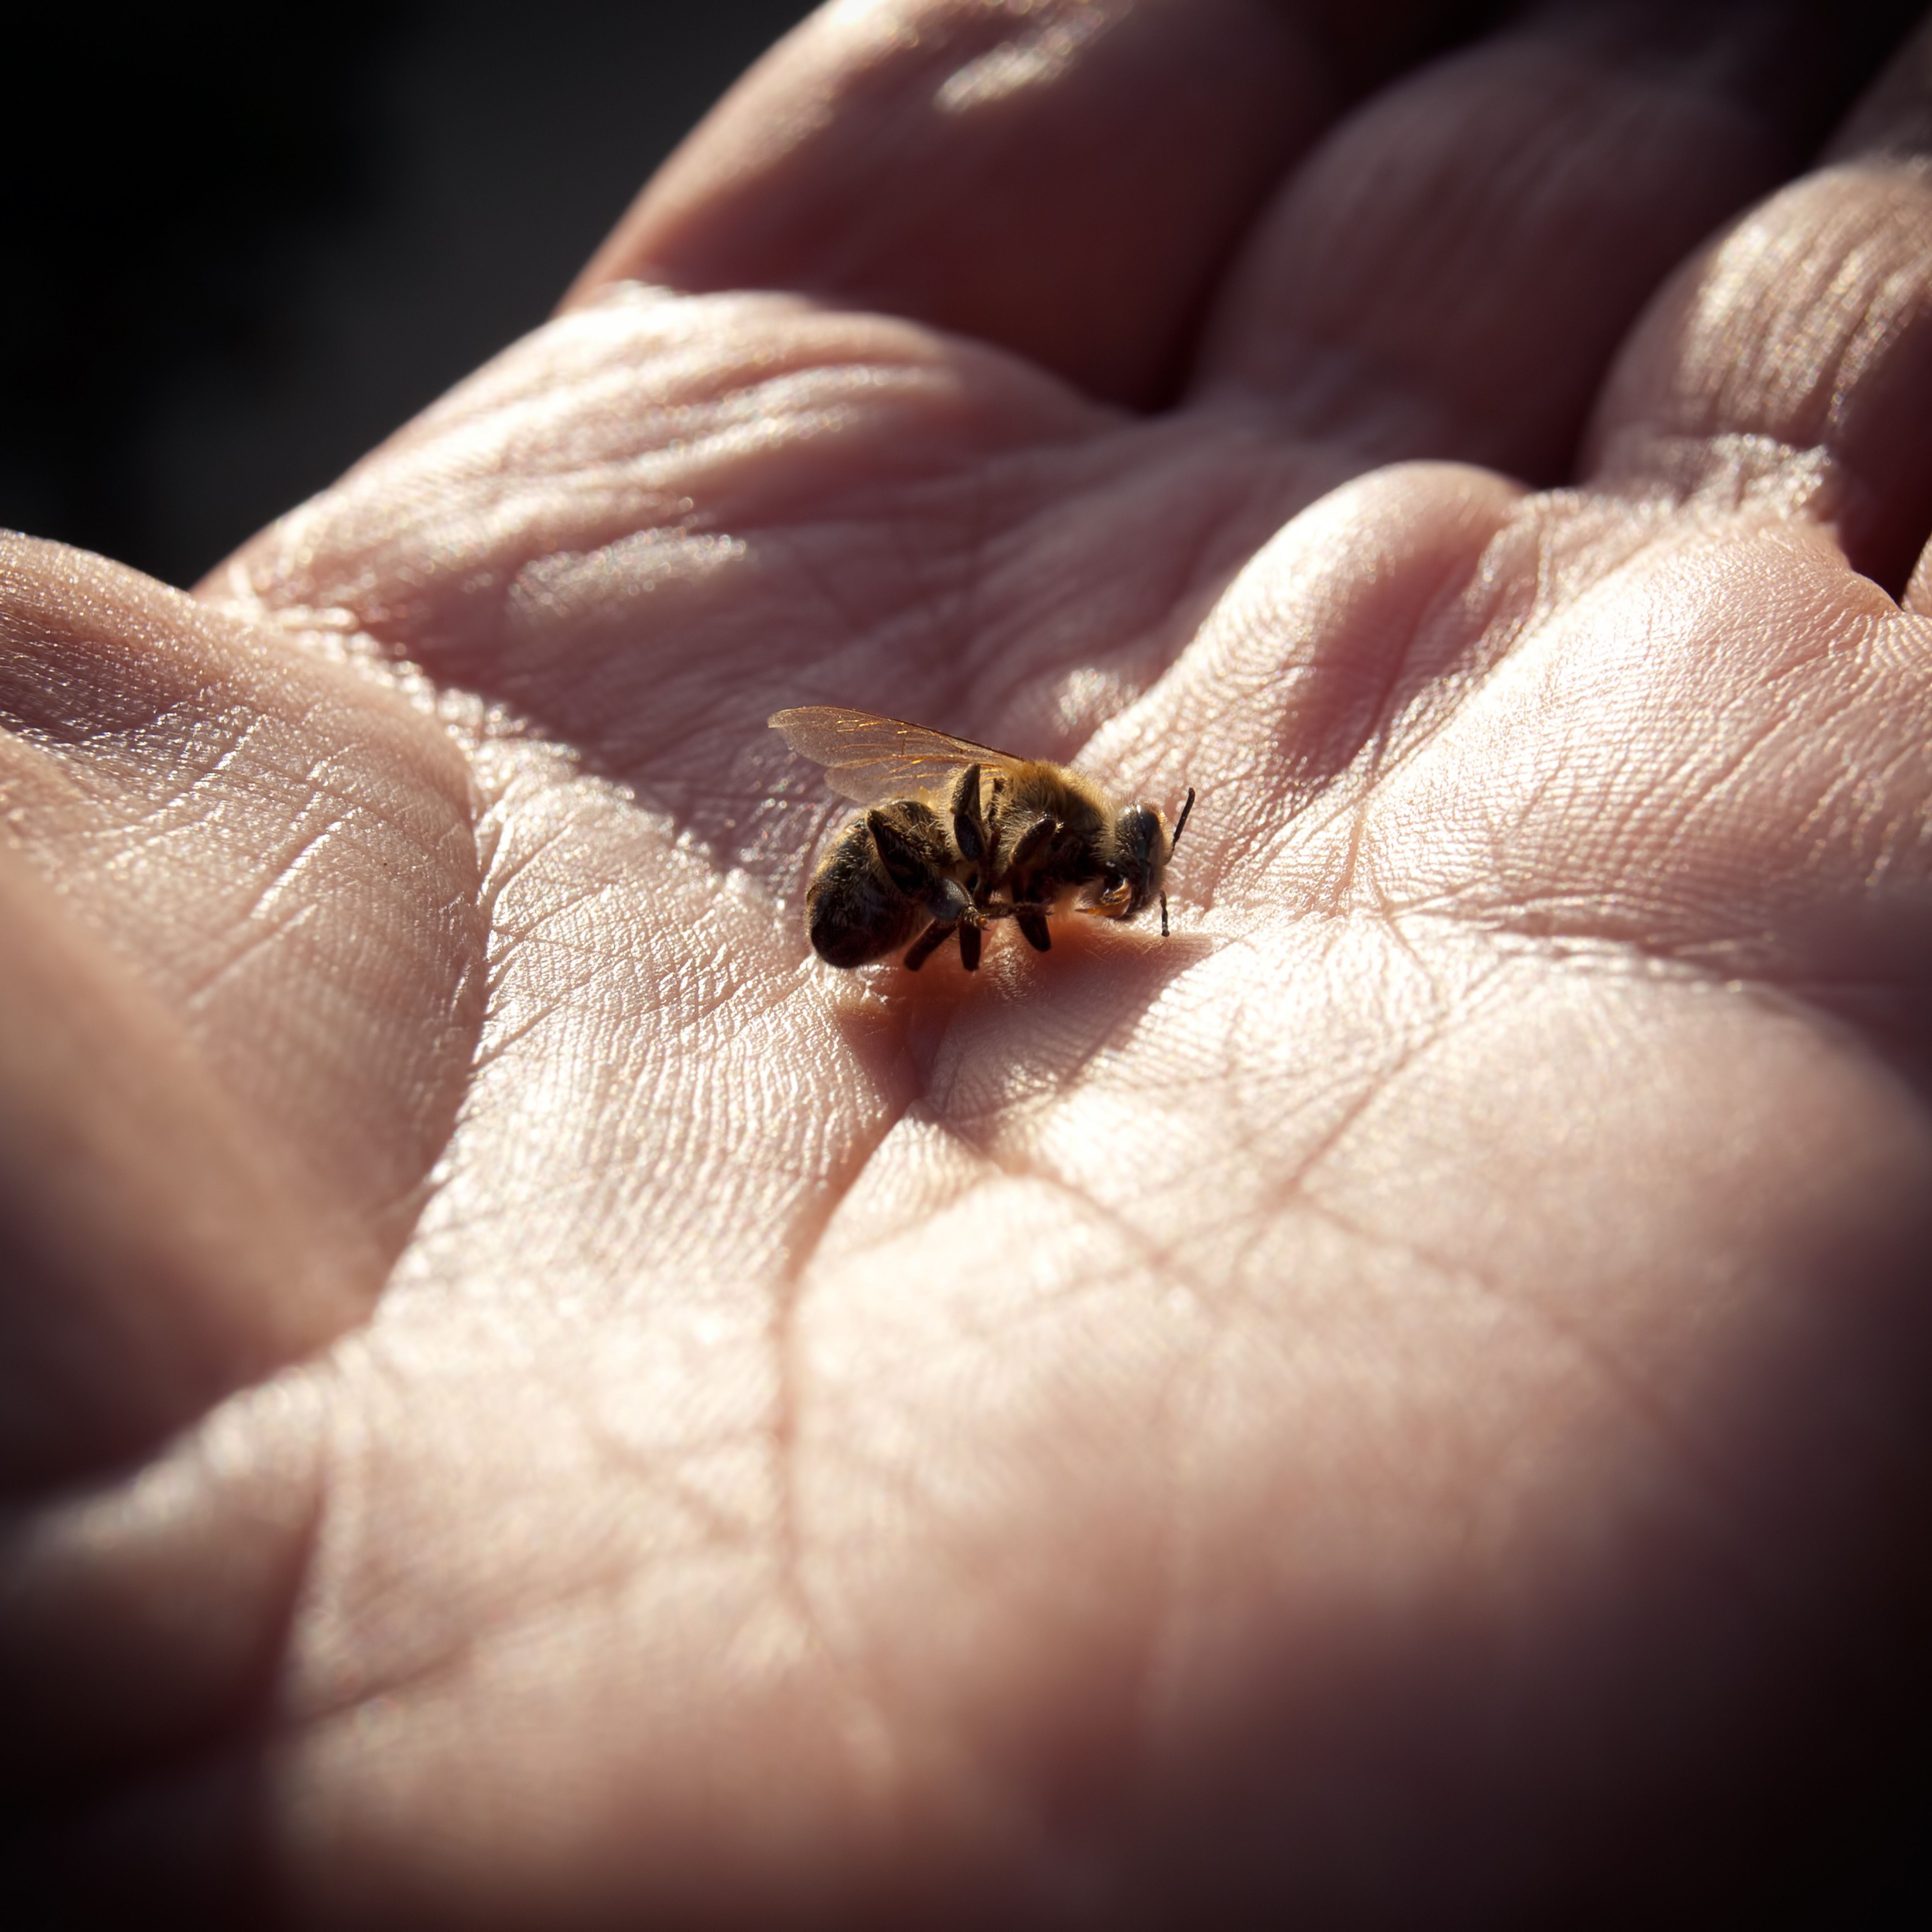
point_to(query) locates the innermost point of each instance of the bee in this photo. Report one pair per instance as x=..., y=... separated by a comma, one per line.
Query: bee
x=949, y=825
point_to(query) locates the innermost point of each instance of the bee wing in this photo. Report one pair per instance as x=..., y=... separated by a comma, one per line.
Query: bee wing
x=868, y=758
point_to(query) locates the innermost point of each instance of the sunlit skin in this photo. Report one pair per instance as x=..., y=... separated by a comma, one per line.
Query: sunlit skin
x=529, y=1400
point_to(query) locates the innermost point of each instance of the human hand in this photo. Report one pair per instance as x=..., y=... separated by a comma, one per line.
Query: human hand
x=1395, y=1404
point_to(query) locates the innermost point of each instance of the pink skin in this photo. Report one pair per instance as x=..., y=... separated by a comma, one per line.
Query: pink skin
x=530, y=1401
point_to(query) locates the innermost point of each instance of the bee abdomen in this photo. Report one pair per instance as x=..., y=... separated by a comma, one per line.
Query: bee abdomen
x=854, y=912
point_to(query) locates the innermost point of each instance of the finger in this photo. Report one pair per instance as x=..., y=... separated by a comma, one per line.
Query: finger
x=233, y=1042
x=1790, y=364
x=1892, y=126
x=157, y=1254
x=1061, y=179
x=1451, y=272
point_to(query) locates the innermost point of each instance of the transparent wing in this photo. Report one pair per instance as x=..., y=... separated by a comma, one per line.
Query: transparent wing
x=868, y=758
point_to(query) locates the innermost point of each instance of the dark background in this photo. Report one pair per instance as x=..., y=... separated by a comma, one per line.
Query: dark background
x=242, y=246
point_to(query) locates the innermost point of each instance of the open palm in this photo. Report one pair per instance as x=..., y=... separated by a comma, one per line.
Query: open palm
x=530, y=1400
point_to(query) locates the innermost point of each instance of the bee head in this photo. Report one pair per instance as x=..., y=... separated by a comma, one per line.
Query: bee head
x=1142, y=849
x=1133, y=878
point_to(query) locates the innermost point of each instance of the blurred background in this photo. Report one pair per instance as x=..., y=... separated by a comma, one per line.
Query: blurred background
x=242, y=247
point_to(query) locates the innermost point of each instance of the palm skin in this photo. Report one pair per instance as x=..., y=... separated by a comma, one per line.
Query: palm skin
x=1396, y=1403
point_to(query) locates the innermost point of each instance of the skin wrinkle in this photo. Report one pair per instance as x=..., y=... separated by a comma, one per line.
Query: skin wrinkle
x=1364, y=768
x=1195, y=577
x=195, y=991
x=500, y=872
x=1167, y=1651
x=282, y=867
x=146, y=828
x=1022, y=1168
x=203, y=765
x=1132, y=1736
x=927, y=605
x=859, y=1691
x=77, y=726
x=1416, y=1046
x=1904, y=836
x=198, y=990
x=1526, y=187
x=463, y=1654
x=1672, y=828
x=1391, y=741
x=1164, y=1603
x=1683, y=823
x=82, y=781
x=980, y=529
x=1219, y=543
x=1243, y=1292
x=798, y=552
x=920, y=603
x=1578, y=946
x=533, y=933
x=1717, y=787
x=1098, y=1285
x=1854, y=322
x=712, y=1003
x=504, y=1629
x=592, y=1580
x=226, y=736
x=352, y=1440
x=1449, y=715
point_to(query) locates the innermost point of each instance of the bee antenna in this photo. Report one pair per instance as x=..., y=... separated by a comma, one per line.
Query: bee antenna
x=1181, y=824
x=1163, y=915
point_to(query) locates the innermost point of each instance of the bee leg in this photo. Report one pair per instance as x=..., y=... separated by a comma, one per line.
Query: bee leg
x=969, y=822
x=1027, y=846
x=928, y=943
x=969, y=944
x=905, y=866
x=1033, y=925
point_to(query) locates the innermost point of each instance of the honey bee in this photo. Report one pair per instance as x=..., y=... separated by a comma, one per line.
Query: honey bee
x=949, y=824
